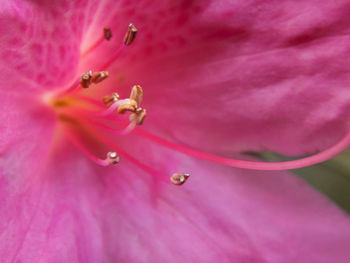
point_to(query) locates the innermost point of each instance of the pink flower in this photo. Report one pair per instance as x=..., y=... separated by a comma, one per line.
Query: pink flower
x=219, y=77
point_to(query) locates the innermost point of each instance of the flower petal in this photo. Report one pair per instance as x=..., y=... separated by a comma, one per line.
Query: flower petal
x=248, y=75
x=122, y=214
x=39, y=43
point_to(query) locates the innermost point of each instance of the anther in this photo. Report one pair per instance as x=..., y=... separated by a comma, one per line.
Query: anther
x=92, y=77
x=97, y=77
x=85, y=79
x=136, y=94
x=110, y=99
x=179, y=178
x=107, y=33
x=113, y=158
x=138, y=114
x=130, y=35
x=127, y=107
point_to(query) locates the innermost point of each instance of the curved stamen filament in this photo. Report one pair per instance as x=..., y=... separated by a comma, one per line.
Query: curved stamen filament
x=92, y=157
x=325, y=155
x=342, y=145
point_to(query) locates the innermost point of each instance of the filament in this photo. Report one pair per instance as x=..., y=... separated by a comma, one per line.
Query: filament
x=92, y=157
x=325, y=155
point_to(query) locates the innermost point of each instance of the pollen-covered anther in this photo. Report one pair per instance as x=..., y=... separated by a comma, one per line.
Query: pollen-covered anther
x=97, y=77
x=113, y=157
x=92, y=77
x=131, y=105
x=110, y=99
x=85, y=79
x=179, y=178
x=107, y=33
x=136, y=94
x=130, y=35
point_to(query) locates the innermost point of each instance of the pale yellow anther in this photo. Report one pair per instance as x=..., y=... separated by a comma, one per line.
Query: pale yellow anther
x=136, y=94
x=113, y=157
x=131, y=105
x=130, y=35
x=110, y=99
x=126, y=107
x=179, y=178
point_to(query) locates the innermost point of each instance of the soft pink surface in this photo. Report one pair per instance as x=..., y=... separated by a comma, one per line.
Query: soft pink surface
x=220, y=76
x=121, y=214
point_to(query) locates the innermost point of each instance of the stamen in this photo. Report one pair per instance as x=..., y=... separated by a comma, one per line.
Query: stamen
x=114, y=107
x=138, y=114
x=97, y=77
x=132, y=104
x=110, y=99
x=129, y=38
x=136, y=94
x=113, y=158
x=127, y=156
x=90, y=77
x=130, y=35
x=179, y=178
x=327, y=154
x=85, y=80
x=107, y=33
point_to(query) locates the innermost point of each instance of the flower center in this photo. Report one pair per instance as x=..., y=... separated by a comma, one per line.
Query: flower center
x=81, y=116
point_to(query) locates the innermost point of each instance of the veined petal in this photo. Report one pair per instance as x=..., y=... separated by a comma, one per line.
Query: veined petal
x=40, y=43
x=123, y=214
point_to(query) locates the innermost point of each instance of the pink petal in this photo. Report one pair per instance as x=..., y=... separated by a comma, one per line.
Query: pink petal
x=39, y=43
x=124, y=215
x=249, y=75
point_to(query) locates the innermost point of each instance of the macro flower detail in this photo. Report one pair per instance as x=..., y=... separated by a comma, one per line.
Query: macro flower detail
x=137, y=115
x=125, y=142
x=68, y=103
